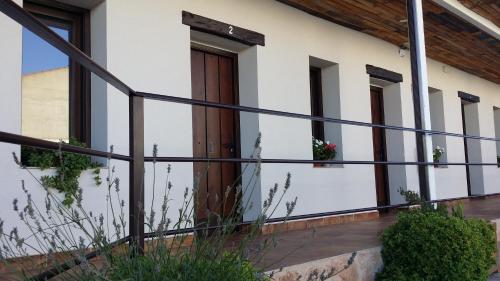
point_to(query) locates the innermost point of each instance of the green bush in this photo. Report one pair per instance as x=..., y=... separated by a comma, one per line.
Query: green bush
x=69, y=167
x=228, y=267
x=434, y=246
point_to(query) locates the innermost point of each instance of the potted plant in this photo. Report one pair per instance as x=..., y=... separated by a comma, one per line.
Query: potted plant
x=437, y=153
x=323, y=150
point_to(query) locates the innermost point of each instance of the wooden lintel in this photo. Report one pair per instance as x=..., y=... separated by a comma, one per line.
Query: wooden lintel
x=384, y=74
x=468, y=97
x=229, y=31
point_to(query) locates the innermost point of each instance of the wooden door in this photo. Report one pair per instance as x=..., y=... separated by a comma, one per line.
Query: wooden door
x=379, y=146
x=215, y=132
x=466, y=149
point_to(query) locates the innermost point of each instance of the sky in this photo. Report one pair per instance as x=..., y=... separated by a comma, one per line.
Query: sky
x=39, y=55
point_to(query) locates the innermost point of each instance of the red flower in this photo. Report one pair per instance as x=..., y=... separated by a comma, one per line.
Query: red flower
x=331, y=146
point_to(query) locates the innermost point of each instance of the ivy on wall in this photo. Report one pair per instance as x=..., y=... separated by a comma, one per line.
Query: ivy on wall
x=68, y=166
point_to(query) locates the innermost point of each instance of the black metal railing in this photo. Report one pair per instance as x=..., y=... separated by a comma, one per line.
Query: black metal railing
x=136, y=156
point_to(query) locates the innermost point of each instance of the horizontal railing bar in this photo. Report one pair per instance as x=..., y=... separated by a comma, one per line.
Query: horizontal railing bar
x=316, y=215
x=305, y=161
x=266, y=111
x=28, y=21
x=386, y=207
x=189, y=101
x=39, y=143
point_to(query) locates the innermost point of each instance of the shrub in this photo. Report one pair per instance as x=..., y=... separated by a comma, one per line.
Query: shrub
x=68, y=166
x=411, y=197
x=434, y=246
x=228, y=267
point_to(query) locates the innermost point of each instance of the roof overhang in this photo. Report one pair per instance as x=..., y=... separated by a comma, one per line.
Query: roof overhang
x=483, y=23
x=453, y=35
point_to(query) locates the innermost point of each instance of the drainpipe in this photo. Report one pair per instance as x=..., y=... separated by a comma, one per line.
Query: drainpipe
x=421, y=97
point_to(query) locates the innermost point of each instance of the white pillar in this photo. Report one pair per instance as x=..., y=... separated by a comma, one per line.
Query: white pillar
x=423, y=91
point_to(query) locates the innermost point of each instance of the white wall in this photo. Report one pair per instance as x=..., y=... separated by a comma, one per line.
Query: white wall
x=451, y=182
x=282, y=75
x=10, y=111
x=249, y=96
x=148, y=47
x=395, y=145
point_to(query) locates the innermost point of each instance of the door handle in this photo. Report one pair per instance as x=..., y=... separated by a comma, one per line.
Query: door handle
x=229, y=146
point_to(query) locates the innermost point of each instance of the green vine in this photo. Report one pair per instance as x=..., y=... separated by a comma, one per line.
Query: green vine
x=69, y=167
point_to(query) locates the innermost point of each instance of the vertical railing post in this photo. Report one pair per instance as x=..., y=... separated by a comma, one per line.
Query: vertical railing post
x=421, y=97
x=136, y=170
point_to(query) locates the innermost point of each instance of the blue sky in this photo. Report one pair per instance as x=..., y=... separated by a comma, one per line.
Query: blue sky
x=39, y=55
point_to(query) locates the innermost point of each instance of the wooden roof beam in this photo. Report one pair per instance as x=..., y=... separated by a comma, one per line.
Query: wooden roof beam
x=470, y=16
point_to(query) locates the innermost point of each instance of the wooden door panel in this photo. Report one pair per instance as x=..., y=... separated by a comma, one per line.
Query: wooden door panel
x=213, y=133
x=227, y=134
x=379, y=146
x=199, y=131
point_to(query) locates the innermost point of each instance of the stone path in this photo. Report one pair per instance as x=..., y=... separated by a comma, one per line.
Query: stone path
x=495, y=277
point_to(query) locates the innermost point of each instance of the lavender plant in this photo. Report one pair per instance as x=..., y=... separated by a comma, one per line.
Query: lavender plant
x=71, y=236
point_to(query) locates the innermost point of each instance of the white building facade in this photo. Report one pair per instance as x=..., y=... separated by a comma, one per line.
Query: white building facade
x=147, y=45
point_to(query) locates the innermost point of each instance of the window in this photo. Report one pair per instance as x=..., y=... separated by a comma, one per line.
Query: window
x=55, y=90
x=438, y=124
x=325, y=102
x=496, y=116
x=318, y=128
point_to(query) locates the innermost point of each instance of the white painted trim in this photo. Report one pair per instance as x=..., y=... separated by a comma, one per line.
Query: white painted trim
x=470, y=16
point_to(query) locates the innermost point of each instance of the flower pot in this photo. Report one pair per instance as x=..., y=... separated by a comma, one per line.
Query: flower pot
x=324, y=165
x=436, y=163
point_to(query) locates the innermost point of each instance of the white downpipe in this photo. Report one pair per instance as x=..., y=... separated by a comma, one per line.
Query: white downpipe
x=424, y=94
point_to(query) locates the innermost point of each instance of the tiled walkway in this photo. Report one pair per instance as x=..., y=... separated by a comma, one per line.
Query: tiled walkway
x=296, y=247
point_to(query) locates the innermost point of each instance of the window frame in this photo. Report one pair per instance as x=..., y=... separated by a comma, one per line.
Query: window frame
x=77, y=21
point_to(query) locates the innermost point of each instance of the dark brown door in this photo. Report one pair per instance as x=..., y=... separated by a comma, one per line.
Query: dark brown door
x=466, y=149
x=379, y=146
x=214, y=132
